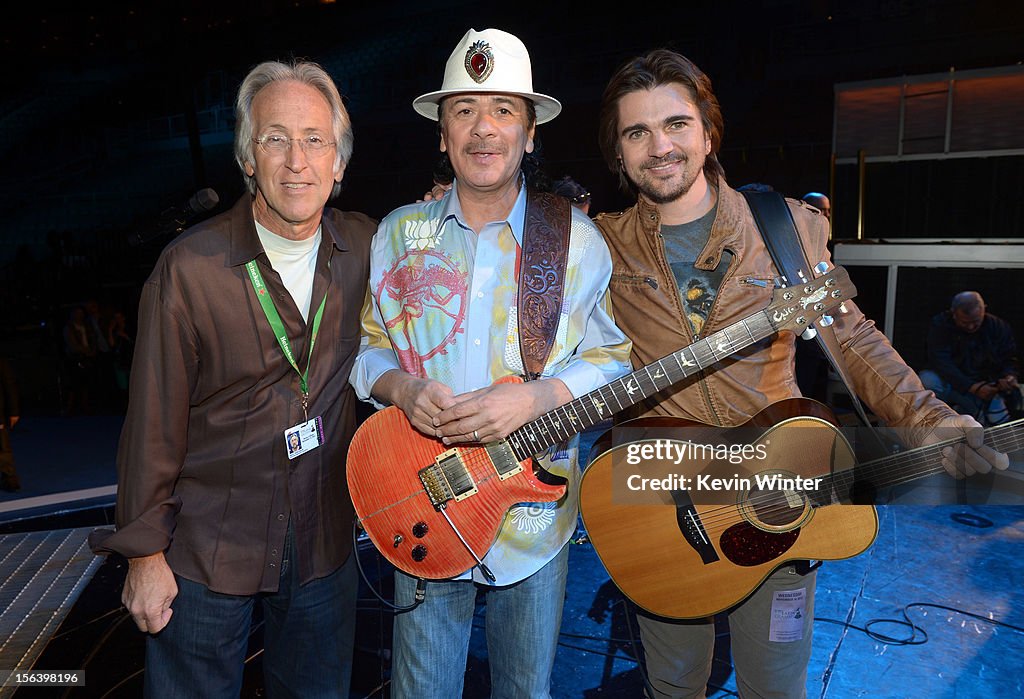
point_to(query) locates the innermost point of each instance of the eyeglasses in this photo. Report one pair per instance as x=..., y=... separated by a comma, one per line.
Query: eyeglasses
x=278, y=144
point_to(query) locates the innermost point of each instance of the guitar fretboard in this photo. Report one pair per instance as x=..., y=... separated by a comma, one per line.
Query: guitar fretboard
x=563, y=422
x=913, y=464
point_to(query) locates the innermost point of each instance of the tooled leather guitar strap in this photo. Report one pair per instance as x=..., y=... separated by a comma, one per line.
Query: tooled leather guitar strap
x=545, y=252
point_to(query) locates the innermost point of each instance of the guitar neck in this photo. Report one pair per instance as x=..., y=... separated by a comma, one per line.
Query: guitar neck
x=574, y=417
x=917, y=463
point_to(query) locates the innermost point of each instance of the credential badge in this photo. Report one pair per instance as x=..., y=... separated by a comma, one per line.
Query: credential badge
x=479, y=61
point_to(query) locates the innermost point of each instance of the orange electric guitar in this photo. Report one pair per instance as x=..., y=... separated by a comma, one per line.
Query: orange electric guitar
x=434, y=511
x=685, y=531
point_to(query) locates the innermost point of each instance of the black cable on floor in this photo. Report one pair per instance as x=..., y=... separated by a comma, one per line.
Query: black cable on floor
x=913, y=639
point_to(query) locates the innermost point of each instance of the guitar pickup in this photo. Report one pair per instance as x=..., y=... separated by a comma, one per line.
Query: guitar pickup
x=503, y=460
x=447, y=479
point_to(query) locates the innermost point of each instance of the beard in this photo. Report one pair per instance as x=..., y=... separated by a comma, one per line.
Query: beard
x=660, y=191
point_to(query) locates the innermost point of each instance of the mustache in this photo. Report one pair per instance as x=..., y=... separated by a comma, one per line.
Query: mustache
x=485, y=147
x=664, y=160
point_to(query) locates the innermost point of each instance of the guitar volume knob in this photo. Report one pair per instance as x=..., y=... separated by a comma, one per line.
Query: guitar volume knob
x=419, y=552
x=420, y=529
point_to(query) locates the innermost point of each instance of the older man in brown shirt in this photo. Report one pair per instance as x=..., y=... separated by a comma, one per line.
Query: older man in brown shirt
x=231, y=462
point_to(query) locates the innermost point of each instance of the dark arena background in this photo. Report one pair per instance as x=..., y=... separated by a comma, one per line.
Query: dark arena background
x=116, y=125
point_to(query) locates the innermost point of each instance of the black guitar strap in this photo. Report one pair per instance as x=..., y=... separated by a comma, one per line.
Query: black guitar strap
x=774, y=220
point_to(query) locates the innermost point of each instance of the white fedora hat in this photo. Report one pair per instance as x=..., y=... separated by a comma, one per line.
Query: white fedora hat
x=489, y=61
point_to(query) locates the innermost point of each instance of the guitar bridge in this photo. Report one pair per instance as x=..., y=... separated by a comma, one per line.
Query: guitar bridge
x=447, y=479
x=692, y=528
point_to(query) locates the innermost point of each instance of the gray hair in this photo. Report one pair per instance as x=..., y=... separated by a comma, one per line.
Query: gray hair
x=303, y=72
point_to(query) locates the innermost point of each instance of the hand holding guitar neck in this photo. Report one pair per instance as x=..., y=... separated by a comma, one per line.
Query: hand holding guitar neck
x=970, y=454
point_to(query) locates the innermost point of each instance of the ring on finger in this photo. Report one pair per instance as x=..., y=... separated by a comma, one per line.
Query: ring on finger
x=476, y=436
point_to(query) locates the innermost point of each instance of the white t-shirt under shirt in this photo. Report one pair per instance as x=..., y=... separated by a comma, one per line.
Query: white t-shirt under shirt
x=295, y=262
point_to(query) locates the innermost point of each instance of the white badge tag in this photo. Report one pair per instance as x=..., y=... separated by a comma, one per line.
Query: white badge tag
x=304, y=437
x=788, y=610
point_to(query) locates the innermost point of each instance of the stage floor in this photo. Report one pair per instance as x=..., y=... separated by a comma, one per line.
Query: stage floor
x=953, y=569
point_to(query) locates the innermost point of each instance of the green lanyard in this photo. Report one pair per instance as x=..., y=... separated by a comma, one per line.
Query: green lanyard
x=274, y=318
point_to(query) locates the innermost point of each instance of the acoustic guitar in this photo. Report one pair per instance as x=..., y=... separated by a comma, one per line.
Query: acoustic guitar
x=688, y=519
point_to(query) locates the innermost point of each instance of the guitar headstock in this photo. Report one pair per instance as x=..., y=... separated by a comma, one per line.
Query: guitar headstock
x=801, y=306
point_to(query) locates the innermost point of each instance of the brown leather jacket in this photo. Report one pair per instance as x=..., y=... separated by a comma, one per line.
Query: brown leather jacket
x=647, y=308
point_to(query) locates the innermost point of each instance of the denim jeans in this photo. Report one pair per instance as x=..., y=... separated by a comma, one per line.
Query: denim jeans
x=308, y=638
x=987, y=413
x=522, y=622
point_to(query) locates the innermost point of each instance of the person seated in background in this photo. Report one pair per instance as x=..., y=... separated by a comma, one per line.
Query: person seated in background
x=972, y=360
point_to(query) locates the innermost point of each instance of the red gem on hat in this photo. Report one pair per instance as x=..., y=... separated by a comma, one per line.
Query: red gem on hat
x=479, y=61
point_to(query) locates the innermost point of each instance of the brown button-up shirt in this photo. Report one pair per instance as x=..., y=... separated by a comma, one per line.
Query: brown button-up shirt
x=203, y=471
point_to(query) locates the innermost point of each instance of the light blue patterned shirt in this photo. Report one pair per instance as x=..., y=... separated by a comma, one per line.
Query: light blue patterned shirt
x=444, y=307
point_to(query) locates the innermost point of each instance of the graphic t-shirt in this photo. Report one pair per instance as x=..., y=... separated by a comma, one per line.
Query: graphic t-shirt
x=697, y=287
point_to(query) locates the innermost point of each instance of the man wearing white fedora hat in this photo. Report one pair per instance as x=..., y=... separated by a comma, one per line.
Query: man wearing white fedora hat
x=454, y=306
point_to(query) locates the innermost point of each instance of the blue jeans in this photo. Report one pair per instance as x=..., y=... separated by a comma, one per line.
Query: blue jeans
x=308, y=638
x=522, y=622
x=987, y=413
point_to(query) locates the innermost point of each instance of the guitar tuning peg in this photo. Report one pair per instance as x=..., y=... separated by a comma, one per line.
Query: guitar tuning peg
x=826, y=321
x=809, y=334
x=821, y=267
